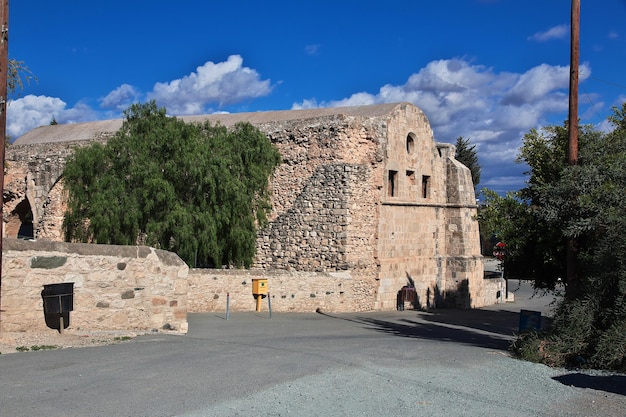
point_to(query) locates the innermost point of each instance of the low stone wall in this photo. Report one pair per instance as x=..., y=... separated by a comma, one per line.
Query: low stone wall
x=141, y=288
x=115, y=287
x=296, y=291
x=290, y=291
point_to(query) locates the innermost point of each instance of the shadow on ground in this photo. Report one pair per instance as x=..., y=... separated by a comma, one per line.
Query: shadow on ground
x=608, y=383
x=493, y=329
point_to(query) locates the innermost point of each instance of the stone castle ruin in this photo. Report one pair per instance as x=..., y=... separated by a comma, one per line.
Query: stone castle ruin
x=364, y=203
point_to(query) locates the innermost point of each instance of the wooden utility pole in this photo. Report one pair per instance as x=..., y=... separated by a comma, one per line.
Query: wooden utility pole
x=573, y=131
x=4, y=71
x=573, y=83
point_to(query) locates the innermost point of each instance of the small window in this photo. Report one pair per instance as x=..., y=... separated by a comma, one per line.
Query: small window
x=410, y=175
x=392, y=182
x=410, y=143
x=425, y=186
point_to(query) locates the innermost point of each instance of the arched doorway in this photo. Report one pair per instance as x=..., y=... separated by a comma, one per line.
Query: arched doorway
x=20, y=222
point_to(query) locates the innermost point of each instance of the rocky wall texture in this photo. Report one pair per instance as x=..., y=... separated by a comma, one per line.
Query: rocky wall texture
x=34, y=178
x=289, y=291
x=115, y=287
x=362, y=192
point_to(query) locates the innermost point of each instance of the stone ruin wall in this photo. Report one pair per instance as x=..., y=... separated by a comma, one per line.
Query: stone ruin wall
x=426, y=231
x=325, y=199
x=328, y=173
x=33, y=172
x=115, y=287
x=331, y=218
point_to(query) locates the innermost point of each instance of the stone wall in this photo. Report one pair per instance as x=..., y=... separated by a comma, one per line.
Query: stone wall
x=290, y=291
x=115, y=287
x=33, y=180
x=296, y=291
x=362, y=193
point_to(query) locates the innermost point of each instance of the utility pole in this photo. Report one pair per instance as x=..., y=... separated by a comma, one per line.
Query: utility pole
x=4, y=70
x=573, y=83
x=573, y=131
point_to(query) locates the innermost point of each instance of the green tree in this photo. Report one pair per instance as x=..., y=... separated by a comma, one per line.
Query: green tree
x=467, y=155
x=196, y=189
x=584, y=202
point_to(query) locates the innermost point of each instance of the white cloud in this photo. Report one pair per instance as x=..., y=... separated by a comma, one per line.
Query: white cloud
x=213, y=83
x=536, y=83
x=220, y=83
x=557, y=32
x=32, y=111
x=494, y=110
x=312, y=49
x=120, y=98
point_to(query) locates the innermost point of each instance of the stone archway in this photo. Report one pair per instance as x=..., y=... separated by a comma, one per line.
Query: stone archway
x=50, y=225
x=20, y=221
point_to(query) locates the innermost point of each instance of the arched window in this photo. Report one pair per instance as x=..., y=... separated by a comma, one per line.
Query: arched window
x=410, y=143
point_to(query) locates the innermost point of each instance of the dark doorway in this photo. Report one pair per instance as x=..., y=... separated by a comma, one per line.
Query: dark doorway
x=26, y=229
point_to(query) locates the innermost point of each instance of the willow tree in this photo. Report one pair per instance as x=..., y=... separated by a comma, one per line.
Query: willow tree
x=17, y=74
x=199, y=190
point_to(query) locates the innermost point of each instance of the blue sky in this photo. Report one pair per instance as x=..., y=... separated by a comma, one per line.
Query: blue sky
x=487, y=70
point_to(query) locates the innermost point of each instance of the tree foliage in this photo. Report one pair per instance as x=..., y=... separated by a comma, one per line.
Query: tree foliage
x=585, y=203
x=467, y=155
x=196, y=189
x=17, y=74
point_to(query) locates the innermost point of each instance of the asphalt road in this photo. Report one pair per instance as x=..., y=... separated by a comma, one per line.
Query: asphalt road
x=443, y=363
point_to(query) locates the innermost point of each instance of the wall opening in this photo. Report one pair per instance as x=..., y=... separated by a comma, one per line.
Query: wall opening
x=410, y=176
x=410, y=143
x=392, y=183
x=425, y=186
x=22, y=219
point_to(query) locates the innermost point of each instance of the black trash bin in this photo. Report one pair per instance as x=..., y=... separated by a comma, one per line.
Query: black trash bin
x=58, y=298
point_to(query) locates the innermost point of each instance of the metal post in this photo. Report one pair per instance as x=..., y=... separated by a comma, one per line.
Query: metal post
x=227, y=306
x=269, y=303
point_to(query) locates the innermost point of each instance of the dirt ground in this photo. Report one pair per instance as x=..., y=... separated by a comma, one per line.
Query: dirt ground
x=15, y=342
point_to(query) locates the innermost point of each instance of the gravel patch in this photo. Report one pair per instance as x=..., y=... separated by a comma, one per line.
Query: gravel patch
x=508, y=387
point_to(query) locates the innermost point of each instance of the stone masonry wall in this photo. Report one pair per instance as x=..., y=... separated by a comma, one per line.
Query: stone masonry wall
x=338, y=215
x=115, y=287
x=325, y=199
x=33, y=174
x=290, y=291
x=424, y=231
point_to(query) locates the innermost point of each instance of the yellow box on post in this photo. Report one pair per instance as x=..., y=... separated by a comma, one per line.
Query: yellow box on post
x=259, y=290
x=259, y=286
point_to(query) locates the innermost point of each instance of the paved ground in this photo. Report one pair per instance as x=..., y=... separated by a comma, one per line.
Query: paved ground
x=444, y=363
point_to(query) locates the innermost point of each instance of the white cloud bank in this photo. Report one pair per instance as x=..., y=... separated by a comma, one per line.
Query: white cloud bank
x=121, y=98
x=222, y=83
x=216, y=84
x=32, y=111
x=494, y=110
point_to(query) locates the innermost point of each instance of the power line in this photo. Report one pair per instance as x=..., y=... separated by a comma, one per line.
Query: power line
x=608, y=82
x=593, y=106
